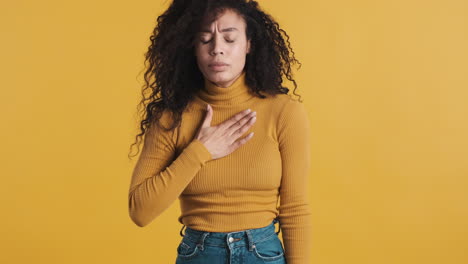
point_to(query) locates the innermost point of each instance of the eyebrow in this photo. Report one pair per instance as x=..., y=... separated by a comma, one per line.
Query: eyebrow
x=223, y=30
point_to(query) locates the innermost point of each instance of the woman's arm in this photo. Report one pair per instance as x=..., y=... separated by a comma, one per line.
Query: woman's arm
x=295, y=213
x=157, y=179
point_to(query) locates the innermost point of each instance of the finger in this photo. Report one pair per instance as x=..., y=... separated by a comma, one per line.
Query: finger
x=208, y=116
x=240, y=123
x=241, y=130
x=236, y=118
x=242, y=141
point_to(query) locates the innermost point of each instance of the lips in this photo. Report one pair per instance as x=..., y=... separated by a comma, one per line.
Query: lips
x=217, y=64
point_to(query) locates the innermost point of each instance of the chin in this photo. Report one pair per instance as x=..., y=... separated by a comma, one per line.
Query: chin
x=218, y=76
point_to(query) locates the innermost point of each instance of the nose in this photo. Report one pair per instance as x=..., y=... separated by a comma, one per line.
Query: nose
x=217, y=47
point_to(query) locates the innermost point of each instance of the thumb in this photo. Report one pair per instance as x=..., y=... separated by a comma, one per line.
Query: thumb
x=208, y=116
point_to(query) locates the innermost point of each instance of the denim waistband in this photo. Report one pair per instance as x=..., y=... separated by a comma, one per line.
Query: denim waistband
x=224, y=239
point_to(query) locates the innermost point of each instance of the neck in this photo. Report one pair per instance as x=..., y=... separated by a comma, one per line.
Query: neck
x=237, y=92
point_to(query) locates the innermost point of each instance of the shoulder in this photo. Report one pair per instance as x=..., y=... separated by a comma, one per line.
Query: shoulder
x=292, y=116
x=163, y=123
x=166, y=118
x=287, y=105
x=293, y=122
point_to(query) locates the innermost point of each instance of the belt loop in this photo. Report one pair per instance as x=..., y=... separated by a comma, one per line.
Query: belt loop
x=201, y=240
x=250, y=238
x=182, y=235
x=276, y=220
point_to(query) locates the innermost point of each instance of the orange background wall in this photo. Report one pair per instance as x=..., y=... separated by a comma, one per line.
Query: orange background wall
x=385, y=83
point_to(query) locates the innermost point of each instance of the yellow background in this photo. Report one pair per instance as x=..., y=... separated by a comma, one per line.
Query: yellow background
x=385, y=83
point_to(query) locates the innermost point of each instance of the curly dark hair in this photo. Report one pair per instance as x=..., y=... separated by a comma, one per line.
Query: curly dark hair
x=171, y=55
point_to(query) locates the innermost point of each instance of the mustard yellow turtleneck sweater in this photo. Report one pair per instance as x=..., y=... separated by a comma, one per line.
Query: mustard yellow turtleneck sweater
x=241, y=190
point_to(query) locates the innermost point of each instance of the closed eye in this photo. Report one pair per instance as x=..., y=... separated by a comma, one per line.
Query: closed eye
x=205, y=42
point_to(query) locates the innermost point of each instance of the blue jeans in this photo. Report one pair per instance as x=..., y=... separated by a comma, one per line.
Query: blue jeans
x=250, y=246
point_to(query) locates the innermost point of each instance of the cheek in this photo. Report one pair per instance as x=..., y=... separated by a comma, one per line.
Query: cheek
x=239, y=52
x=240, y=48
x=199, y=52
x=202, y=60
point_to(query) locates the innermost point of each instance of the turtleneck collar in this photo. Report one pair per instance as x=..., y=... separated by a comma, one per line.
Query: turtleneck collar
x=237, y=92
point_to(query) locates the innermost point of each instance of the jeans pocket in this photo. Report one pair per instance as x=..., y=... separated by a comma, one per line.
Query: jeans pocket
x=269, y=249
x=187, y=249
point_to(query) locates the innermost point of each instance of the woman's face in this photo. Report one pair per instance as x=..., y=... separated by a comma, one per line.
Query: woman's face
x=222, y=41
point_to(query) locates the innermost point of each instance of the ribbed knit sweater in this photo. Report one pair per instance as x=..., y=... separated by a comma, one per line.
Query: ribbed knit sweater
x=238, y=191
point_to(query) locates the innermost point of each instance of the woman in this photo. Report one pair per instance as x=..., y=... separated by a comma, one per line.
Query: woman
x=212, y=61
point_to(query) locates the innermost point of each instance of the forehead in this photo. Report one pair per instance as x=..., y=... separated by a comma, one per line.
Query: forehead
x=226, y=21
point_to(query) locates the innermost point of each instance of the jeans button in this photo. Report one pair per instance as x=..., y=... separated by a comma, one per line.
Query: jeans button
x=231, y=239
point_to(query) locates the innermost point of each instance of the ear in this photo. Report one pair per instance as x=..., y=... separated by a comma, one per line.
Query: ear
x=248, y=46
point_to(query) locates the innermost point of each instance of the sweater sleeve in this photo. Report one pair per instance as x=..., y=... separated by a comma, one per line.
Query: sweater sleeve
x=159, y=178
x=294, y=210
